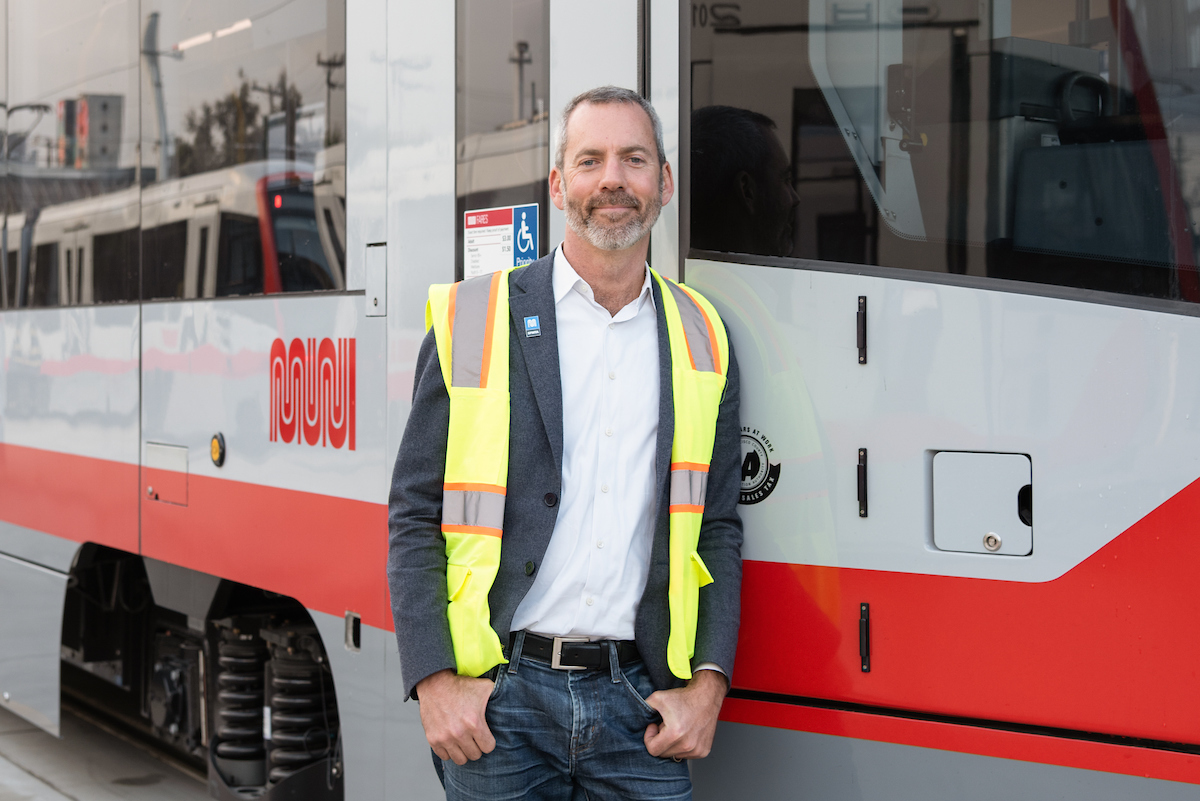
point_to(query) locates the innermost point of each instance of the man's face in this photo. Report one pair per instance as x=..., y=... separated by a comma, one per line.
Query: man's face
x=611, y=185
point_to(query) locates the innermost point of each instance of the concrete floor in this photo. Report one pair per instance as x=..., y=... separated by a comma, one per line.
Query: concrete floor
x=87, y=764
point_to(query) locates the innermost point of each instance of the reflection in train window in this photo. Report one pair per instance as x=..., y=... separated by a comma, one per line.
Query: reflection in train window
x=251, y=112
x=1039, y=141
x=502, y=120
x=239, y=257
x=10, y=279
x=296, y=240
x=72, y=84
x=114, y=266
x=43, y=287
x=164, y=261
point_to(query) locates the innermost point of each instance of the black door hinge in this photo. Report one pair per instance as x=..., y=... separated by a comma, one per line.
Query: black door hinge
x=864, y=636
x=862, y=329
x=862, y=482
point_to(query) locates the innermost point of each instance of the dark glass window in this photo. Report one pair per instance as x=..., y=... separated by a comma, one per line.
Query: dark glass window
x=239, y=257
x=164, y=261
x=1040, y=141
x=43, y=289
x=503, y=127
x=114, y=266
x=250, y=95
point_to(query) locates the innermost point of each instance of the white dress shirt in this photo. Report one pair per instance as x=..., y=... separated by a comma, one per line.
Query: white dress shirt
x=595, y=568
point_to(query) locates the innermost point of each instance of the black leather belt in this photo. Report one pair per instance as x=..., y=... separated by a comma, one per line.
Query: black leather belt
x=569, y=653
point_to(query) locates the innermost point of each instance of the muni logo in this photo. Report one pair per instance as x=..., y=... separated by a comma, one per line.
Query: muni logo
x=312, y=391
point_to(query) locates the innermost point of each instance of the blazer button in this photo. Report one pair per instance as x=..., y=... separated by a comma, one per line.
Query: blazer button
x=529, y=568
x=550, y=499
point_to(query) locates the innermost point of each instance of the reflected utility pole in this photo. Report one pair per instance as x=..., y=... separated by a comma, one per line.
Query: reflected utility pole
x=151, y=52
x=521, y=58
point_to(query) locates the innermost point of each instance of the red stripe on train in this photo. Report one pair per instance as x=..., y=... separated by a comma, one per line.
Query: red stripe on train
x=1104, y=648
x=1041, y=749
x=74, y=497
x=328, y=553
x=1108, y=647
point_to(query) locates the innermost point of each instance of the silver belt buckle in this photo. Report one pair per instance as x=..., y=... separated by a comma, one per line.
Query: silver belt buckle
x=556, y=653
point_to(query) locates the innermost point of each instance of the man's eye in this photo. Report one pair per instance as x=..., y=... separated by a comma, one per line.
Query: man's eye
x=637, y=160
x=587, y=162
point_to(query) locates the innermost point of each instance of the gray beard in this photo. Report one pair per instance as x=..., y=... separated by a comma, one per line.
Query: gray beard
x=611, y=236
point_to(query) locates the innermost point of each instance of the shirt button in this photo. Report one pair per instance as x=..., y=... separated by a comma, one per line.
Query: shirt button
x=608, y=432
x=599, y=543
x=604, y=488
x=612, y=374
x=612, y=325
x=550, y=499
x=590, y=602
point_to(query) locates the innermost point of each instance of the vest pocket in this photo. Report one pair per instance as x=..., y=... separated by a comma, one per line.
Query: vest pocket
x=703, y=577
x=457, y=579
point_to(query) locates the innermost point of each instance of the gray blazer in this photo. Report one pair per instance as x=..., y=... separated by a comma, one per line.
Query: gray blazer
x=417, y=552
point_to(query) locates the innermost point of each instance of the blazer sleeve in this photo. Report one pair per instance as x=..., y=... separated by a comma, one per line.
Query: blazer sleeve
x=416, y=566
x=720, y=544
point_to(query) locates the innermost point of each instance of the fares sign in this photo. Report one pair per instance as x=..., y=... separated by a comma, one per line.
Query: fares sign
x=496, y=239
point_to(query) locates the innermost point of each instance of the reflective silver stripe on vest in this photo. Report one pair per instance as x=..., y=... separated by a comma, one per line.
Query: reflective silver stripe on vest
x=470, y=324
x=688, y=487
x=694, y=328
x=472, y=508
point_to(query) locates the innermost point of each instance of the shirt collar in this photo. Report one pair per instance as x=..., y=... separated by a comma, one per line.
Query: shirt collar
x=564, y=279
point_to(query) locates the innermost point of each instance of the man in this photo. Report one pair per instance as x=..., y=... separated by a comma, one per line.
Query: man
x=742, y=195
x=577, y=652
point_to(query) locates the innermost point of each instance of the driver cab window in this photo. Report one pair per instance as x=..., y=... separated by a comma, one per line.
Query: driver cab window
x=1052, y=141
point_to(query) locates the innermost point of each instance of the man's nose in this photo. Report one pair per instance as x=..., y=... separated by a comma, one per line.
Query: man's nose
x=614, y=174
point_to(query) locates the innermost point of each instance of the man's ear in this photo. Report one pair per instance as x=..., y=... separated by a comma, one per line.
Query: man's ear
x=556, y=188
x=668, y=179
x=747, y=192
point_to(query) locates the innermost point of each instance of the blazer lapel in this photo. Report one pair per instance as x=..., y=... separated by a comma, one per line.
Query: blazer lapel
x=531, y=293
x=666, y=395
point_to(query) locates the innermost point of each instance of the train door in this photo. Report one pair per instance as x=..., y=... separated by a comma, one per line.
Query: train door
x=263, y=381
x=952, y=246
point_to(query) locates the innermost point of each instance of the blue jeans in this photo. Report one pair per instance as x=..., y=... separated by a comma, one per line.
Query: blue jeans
x=568, y=735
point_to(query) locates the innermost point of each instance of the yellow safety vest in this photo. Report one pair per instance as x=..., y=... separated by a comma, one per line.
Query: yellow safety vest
x=471, y=327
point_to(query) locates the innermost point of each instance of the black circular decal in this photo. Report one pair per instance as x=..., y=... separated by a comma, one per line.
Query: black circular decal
x=759, y=475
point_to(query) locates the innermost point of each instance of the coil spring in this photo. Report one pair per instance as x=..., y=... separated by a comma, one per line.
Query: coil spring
x=240, y=697
x=303, y=713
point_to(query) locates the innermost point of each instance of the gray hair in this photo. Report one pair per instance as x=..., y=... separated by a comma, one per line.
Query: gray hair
x=604, y=95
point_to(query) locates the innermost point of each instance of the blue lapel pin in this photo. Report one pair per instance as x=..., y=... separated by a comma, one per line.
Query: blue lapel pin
x=533, y=328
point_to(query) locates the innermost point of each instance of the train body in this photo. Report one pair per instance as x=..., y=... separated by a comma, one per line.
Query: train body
x=954, y=246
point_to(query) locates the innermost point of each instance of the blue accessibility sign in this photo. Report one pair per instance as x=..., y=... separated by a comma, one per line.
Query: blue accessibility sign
x=525, y=234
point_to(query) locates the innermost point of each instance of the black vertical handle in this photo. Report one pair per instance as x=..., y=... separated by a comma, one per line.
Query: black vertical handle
x=864, y=636
x=862, y=329
x=862, y=482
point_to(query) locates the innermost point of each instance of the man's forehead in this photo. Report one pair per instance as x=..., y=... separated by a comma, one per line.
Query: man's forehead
x=625, y=125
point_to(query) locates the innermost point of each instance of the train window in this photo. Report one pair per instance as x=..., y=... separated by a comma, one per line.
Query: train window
x=72, y=83
x=303, y=262
x=114, y=266
x=503, y=133
x=164, y=260
x=43, y=286
x=239, y=256
x=1043, y=141
x=248, y=97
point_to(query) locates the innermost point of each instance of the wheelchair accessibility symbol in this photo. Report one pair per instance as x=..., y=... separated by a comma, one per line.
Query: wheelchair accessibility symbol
x=525, y=225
